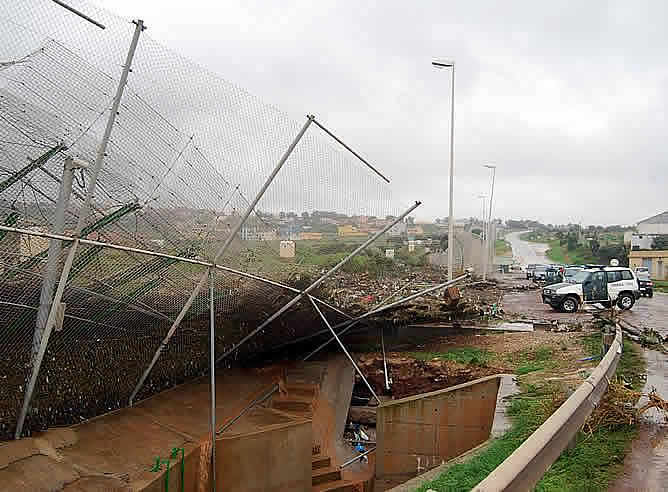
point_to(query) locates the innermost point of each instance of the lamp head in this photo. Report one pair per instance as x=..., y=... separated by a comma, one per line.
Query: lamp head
x=441, y=63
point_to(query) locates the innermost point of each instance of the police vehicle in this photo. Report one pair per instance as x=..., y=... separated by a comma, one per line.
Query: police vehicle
x=595, y=285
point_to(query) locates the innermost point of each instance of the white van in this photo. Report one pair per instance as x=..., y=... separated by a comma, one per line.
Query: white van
x=604, y=285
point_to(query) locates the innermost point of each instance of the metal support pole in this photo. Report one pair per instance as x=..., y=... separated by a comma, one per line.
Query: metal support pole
x=353, y=322
x=315, y=284
x=343, y=347
x=351, y=151
x=484, y=248
x=451, y=216
x=355, y=458
x=212, y=362
x=490, y=248
x=83, y=218
x=55, y=247
x=220, y=252
x=79, y=13
x=382, y=344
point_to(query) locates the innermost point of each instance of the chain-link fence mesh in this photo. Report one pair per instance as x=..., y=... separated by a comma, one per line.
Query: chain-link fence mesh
x=187, y=154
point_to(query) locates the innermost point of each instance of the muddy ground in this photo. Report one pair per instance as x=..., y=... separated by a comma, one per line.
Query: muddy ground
x=426, y=368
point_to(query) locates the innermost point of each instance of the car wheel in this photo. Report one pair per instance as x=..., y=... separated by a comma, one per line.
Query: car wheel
x=569, y=305
x=625, y=301
x=650, y=294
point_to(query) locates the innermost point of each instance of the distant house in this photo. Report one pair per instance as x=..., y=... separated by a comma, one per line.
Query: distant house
x=349, y=231
x=657, y=224
x=310, y=236
x=656, y=261
x=397, y=229
x=287, y=249
x=642, y=242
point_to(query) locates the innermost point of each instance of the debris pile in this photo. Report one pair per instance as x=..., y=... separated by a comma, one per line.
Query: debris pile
x=618, y=407
x=412, y=376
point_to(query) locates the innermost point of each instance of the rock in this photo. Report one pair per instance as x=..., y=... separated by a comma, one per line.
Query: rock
x=362, y=415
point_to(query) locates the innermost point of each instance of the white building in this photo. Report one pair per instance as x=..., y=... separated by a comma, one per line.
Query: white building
x=657, y=224
x=287, y=249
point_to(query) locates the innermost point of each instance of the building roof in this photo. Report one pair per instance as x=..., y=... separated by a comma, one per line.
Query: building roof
x=661, y=218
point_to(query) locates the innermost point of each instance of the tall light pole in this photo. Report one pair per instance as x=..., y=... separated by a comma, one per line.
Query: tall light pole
x=483, y=233
x=442, y=64
x=489, y=221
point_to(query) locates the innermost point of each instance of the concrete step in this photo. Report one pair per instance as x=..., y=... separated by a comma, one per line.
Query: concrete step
x=301, y=390
x=293, y=406
x=319, y=461
x=337, y=486
x=326, y=474
x=293, y=397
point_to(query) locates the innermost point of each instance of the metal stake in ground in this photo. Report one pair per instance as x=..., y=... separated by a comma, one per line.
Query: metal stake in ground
x=343, y=347
x=212, y=368
x=83, y=218
x=220, y=252
x=315, y=284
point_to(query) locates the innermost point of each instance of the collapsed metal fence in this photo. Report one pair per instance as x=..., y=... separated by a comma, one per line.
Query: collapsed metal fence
x=130, y=180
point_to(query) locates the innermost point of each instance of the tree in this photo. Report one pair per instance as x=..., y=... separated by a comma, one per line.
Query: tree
x=660, y=242
x=444, y=242
x=572, y=242
x=595, y=246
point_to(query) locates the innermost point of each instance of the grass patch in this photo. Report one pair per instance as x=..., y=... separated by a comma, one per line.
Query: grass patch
x=502, y=248
x=525, y=362
x=463, y=355
x=591, y=465
x=560, y=254
x=660, y=285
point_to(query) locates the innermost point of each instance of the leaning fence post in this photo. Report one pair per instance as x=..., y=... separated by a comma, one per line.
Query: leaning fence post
x=343, y=347
x=220, y=252
x=83, y=218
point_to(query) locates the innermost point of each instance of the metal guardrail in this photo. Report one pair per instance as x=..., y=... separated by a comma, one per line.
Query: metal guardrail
x=527, y=465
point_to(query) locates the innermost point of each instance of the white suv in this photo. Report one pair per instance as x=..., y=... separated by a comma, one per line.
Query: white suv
x=604, y=285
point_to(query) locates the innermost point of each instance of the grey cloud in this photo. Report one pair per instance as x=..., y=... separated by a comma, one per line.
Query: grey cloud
x=568, y=98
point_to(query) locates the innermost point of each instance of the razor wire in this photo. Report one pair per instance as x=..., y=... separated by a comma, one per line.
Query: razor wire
x=187, y=154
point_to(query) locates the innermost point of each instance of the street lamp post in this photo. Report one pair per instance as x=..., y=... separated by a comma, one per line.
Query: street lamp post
x=489, y=221
x=483, y=234
x=442, y=64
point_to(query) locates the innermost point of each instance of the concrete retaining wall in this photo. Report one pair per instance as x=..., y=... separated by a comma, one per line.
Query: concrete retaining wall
x=420, y=432
x=277, y=457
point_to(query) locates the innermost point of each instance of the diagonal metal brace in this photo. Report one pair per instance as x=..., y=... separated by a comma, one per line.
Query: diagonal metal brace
x=343, y=347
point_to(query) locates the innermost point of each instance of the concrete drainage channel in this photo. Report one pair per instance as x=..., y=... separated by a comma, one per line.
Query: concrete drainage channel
x=417, y=433
x=423, y=432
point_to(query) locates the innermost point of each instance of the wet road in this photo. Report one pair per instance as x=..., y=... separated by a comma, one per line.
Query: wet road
x=646, y=465
x=525, y=252
x=650, y=313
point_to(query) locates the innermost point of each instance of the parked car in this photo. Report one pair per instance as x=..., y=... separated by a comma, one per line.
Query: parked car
x=553, y=275
x=642, y=270
x=539, y=273
x=606, y=285
x=645, y=284
x=570, y=272
x=530, y=269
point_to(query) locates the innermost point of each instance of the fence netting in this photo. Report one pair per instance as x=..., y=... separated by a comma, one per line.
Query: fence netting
x=187, y=154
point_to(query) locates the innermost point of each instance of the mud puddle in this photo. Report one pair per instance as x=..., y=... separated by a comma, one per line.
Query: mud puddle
x=646, y=465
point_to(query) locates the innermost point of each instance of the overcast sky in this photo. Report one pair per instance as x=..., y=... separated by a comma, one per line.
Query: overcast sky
x=568, y=99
